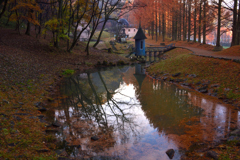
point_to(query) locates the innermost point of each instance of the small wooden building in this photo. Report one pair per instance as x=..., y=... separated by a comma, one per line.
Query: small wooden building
x=140, y=42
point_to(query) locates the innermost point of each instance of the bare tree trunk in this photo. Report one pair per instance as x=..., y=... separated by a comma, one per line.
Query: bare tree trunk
x=176, y=26
x=234, y=29
x=68, y=41
x=189, y=19
x=195, y=21
x=17, y=21
x=100, y=34
x=180, y=21
x=238, y=26
x=9, y=18
x=159, y=21
x=69, y=25
x=149, y=31
x=168, y=28
x=75, y=35
x=28, y=28
x=152, y=28
x=163, y=28
x=219, y=24
x=172, y=25
x=38, y=34
x=204, y=21
x=56, y=42
x=200, y=22
x=156, y=25
x=95, y=21
x=184, y=24
x=4, y=8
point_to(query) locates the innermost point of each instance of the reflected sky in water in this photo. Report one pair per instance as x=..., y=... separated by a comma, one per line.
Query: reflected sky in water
x=134, y=116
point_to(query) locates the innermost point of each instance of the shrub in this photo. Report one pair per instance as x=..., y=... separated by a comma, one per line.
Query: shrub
x=105, y=63
x=120, y=62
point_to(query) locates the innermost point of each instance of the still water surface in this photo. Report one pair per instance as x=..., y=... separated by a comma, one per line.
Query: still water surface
x=135, y=117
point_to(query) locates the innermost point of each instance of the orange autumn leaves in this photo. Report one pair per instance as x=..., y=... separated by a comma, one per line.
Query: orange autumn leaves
x=30, y=8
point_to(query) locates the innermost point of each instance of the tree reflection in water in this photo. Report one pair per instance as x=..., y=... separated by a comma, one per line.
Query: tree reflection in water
x=136, y=117
x=91, y=109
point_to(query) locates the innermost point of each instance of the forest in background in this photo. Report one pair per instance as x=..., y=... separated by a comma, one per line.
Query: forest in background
x=190, y=20
x=62, y=18
x=187, y=20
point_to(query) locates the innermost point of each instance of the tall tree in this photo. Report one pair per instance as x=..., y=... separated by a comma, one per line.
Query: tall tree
x=184, y=22
x=4, y=7
x=81, y=17
x=109, y=9
x=195, y=21
x=95, y=20
x=200, y=22
x=219, y=23
x=159, y=19
x=238, y=24
x=163, y=27
x=156, y=16
x=189, y=18
x=204, y=21
x=235, y=25
x=180, y=21
x=26, y=10
x=59, y=24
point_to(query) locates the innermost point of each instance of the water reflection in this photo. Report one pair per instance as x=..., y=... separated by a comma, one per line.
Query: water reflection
x=135, y=117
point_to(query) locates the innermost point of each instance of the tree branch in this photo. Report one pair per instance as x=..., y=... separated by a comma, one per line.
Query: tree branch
x=47, y=2
x=4, y=8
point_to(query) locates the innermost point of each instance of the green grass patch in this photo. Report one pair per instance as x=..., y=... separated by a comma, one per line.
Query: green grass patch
x=89, y=64
x=225, y=47
x=229, y=152
x=90, y=43
x=103, y=36
x=67, y=72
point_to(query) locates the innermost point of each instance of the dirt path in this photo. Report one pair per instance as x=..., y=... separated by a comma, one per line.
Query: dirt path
x=206, y=53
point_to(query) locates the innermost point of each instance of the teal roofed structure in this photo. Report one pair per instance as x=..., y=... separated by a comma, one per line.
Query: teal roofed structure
x=140, y=42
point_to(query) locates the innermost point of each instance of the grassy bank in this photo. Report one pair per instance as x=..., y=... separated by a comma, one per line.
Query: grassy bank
x=215, y=77
x=30, y=70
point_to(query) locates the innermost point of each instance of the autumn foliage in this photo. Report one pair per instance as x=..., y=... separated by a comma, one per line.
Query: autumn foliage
x=183, y=20
x=30, y=7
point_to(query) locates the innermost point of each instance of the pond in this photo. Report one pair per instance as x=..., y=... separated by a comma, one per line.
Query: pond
x=121, y=113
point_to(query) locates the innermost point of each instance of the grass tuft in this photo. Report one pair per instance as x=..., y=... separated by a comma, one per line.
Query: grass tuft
x=67, y=72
